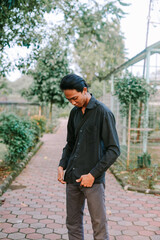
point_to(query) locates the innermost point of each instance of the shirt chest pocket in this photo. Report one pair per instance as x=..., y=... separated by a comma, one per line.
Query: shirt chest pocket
x=91, y=134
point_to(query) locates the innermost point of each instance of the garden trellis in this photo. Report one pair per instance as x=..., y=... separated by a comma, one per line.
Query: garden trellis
x=145, y=65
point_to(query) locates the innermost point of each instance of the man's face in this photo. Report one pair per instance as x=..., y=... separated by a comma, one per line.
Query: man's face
x=77, y=99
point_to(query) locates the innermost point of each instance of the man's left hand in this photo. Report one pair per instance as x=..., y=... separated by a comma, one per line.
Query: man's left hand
x=86, y=180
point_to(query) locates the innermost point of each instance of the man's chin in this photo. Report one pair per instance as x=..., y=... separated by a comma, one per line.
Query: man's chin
x=78, y=105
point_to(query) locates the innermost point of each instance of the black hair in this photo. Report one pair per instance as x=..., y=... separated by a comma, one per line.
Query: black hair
x=73, y=81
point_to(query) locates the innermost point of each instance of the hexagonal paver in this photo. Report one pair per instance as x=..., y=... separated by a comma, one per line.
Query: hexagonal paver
x=10, y=230
x=16, y=236
x=2, y=235
x=37, y=225
x=21, y=225
x=39, y=216
x=53, y=236
x=34, y=236
x=15, y=220
x=45, y=230
x=27, y=230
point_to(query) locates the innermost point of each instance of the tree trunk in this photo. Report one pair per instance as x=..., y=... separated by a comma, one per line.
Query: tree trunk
x=50, y=112
x=139, y=122
x=40, y=111
x=129, y=136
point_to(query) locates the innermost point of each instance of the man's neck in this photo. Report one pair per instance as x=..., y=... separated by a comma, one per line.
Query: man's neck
x=86, y=103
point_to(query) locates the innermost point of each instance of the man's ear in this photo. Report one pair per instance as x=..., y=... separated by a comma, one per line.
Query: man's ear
x=85, y=90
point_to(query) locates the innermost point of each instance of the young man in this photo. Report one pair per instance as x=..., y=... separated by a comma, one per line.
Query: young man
x=92, y=147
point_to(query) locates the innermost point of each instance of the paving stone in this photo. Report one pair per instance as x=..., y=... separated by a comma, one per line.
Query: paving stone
x=60, y=230
x=46, y=221
x=8, y=216
x=124, y=223
x=39, y=216
x=27, y=230
x=16, y=236
x=2, y=220
x=37, y=225
x=53, y=236
x=149, y=215
x=6, y=225
x=113, y=232
x=44, y=230
x=2, y=235
x=30, y=220
x=141, y=238
x=114, y=218
x=120, y=227
x=54, y=225
x=13, y=209
x=135, y=228
x=10, y=230
x=156, y=208
x=20, y=225
x=112, y=238
x=34, y=236
x=154, y=223
x=130, y=233
x=123, y=238
x=146, y=233
x=14, y=220
x=140, y=223
x=152, y=228
x=156, y=237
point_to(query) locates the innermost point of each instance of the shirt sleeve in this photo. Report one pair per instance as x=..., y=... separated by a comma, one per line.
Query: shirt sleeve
x=67, y=150
x=111, y=143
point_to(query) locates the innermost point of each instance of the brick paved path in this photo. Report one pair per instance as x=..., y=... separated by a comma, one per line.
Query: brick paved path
x=34, y=207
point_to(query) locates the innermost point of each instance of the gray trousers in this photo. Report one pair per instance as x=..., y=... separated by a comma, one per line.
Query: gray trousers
x=95, y=196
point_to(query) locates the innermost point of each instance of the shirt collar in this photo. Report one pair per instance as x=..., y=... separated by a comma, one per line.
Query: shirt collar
x=92, y=103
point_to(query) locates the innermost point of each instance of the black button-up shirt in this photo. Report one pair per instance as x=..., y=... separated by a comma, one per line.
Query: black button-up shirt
x=95, y=147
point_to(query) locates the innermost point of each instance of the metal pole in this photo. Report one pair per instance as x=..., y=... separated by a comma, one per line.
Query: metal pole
x=147, y=35
x=112, y=92
x=129, y=136
x=146, y=113
x=124, y=132
x=104, y=92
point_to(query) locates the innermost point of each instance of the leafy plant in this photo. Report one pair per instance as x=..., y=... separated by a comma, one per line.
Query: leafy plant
x=144, y=160
x=51, y=66
x=19, y=136
x=40, y=121
x=130, y=90
x=98, y=39
x=151, y=178
x=21, y=24
x=4, y=89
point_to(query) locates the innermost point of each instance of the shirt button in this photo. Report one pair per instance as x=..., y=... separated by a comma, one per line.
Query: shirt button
x=81, y=130
x=73, y=168
x=78, y=143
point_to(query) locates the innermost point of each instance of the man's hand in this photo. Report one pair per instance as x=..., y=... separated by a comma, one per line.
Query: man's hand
x=61, y=175
x=86, y=180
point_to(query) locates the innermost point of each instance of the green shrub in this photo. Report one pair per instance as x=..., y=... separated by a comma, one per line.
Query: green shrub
x=130, y=90
x=144, y=160
x=18, y=134
x=40, y=121
x=36, y=131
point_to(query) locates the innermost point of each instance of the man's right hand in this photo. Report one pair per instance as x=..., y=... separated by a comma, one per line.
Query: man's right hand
x=61, y=175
